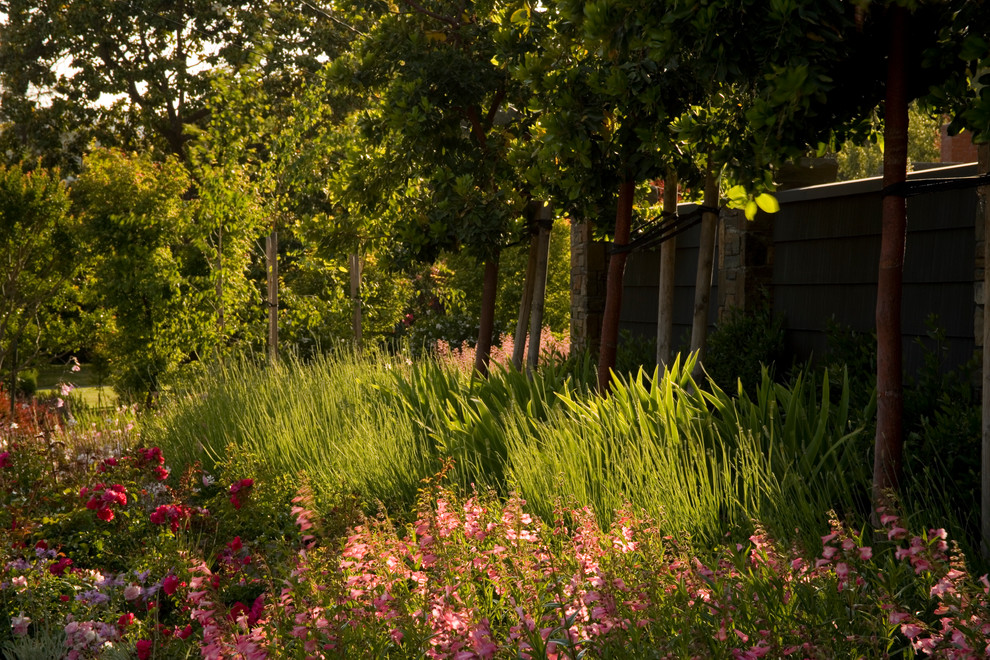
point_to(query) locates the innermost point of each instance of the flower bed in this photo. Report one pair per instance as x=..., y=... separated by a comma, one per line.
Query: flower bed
x=120, y=558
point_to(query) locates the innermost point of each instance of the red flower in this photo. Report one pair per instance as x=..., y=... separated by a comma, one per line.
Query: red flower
x=185, y=632
x=5, y=460
x=236, y=610
x=153, y=455
x=161, y=473
x=170, y=584
x=143, y=649
x=64, y=598
x=236, y=544
x=105, y=514
x=236, y=488
x=58, y=568
x=125, y=620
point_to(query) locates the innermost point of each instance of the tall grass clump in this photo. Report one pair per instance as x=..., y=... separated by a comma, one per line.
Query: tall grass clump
x=325, y=417
x=703, y=461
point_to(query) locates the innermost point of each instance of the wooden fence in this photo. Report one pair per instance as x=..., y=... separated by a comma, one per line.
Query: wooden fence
x=821, y=264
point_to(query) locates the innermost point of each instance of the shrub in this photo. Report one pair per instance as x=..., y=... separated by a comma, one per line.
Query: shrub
x=741, y=345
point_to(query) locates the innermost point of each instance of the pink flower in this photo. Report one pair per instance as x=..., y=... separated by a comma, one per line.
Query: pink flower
x=132, y=591
x=898, y=617
x=866, y=553
x=911, y=630
x=5, y=460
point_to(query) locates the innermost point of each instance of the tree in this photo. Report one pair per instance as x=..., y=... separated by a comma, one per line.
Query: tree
x=40, y=251
x=148, y=272
x=137, y=75
x=444, y=113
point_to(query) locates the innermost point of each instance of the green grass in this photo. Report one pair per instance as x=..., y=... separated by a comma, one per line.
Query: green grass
x=89, y=389
x=702, y=461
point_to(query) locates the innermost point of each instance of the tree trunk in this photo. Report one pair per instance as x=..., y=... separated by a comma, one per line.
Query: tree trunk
x=706, y=262
x=221, y=323
x=544, y=219
x=668, y=251
x=271, y=253
x=486, y=324
x=984, y=218
x=889, y=439
x=519, y=340
x=355, y=268
x=613, y=289
x=13, y=382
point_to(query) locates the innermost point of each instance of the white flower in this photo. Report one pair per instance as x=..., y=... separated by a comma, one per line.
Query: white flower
x=132, y=591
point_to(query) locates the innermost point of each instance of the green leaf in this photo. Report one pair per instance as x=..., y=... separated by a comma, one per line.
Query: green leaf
x=736, y=193
x=519, y=16
x=767, y=202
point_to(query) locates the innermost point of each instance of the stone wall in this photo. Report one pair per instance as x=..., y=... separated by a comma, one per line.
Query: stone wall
x=745, y=257
x=589, y=271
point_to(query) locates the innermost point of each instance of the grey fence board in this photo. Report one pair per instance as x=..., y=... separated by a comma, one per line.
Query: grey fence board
x=826, y=244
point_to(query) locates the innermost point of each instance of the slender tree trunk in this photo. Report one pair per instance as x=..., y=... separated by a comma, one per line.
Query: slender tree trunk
x=984, y=218
x=271, y=253
x=706, y=262
x=613, y=288
x=544, y=219
x=221, y=327
x=355, y=267
x=486, y=325
x=668, y=251
x=13, y=381
x=526, y=304
x=889, y=439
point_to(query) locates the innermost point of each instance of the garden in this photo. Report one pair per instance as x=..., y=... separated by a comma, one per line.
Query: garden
x=373, y=505
x=301, y=356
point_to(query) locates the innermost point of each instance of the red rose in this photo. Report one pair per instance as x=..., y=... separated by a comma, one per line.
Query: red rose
x=143, y=649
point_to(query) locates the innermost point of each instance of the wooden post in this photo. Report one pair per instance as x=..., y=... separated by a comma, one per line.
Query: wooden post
x=271, y=253
x=668, y=251
x=889, y=440
x=486, y=324
x=984, y=217
x=526, y=304
x=544, y=220
x=355, y=267
x=706, y=262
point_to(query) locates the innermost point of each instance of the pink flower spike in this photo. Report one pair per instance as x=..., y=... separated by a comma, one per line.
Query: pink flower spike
x=911, y=630
x=896, y=533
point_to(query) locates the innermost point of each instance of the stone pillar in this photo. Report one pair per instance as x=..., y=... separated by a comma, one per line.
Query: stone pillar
x=589, y=270
x=745, y=256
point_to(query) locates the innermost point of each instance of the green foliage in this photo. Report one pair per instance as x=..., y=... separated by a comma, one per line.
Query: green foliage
x=741, y=345
x=859, y=161
x=41, y=253
x=148, y=271
x=377, y=426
